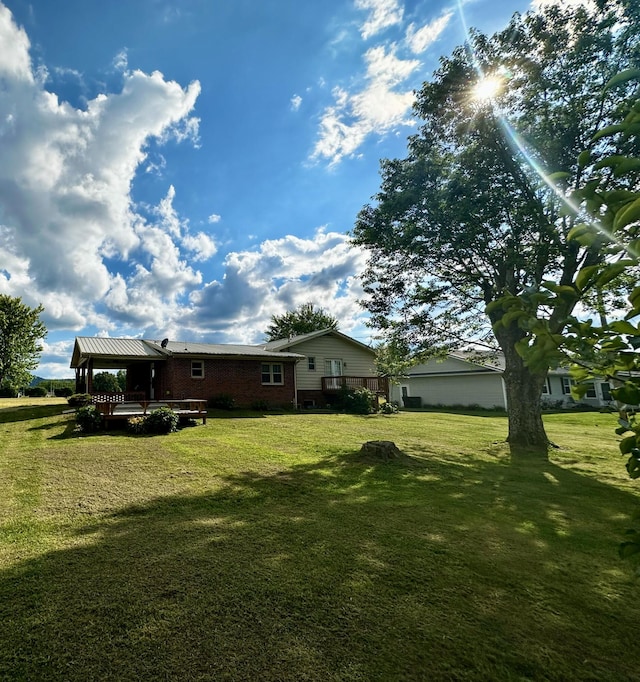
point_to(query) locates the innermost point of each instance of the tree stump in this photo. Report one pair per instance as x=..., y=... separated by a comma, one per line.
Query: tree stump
x=382, y=450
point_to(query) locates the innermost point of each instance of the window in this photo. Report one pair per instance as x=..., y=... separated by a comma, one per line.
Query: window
x=197, y=369
x=272, y=373
x=311, y=364
x=605, y=387
x=566, y=385
x=591, y=391
x=333, y=367
x=546, y=387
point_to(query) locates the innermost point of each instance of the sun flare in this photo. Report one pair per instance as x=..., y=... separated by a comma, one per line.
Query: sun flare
x=487, y=88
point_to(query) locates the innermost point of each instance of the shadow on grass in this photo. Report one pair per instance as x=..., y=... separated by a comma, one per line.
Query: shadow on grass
x=27, y=413
x=336, y=570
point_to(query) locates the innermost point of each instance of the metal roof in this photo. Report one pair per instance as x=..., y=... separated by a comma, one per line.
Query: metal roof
x=110, y=353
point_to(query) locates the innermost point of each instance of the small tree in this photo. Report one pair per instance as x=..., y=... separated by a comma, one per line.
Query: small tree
x=304, y=319
x=21, y=331
x=122, y=380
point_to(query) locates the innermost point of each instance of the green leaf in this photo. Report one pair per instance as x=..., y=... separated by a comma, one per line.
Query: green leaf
x=627, y=444
x=585, y=276
x=609, y=130
x=584, y=157
x=628, y=393
x=624, y=327
x=627, y=215
x=623, y=77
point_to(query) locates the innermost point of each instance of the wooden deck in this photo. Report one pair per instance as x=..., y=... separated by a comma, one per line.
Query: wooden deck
x=114, y=410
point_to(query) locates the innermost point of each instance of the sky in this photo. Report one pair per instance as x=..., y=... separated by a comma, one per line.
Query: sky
x=186, y=169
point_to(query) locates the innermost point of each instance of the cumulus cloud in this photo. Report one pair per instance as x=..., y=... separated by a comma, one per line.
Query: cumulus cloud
x=296, y=101
x=66, y=214
x=214, y=218
x=278, y=276
x=377, y=108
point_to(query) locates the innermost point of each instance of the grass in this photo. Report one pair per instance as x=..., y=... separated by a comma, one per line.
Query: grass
x=263, y=548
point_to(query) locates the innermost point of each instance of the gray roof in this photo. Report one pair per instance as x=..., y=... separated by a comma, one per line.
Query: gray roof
x=109, y=353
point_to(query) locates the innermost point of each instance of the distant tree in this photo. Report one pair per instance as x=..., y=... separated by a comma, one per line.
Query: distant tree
x=107, y=382
x=304, y=319
x=122, y=380
x=21, y=331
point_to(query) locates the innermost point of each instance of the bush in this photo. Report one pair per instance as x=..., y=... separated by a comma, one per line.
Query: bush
x=221, y=402
x=8, y=392
x=137, y=425
x=36, y=391
x=63, y=392
x=79, y=399
x=356, y=401
x=162, y=420
x=388, y=408
x=88, y=419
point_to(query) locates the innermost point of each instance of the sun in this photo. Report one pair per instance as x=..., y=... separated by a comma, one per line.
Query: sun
x=487, y=88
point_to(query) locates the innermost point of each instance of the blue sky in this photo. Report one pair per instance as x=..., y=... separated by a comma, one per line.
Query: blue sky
x=187, y=169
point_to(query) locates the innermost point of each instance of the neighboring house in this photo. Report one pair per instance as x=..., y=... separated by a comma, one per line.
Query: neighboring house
x=177, y=370
x=332, y=360
x=462, y=379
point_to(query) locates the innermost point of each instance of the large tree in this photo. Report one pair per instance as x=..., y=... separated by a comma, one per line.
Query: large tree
x=21, y=331
x=304, y=319
x=470, y=220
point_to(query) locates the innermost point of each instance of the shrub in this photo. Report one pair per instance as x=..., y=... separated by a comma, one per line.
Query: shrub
x=388, y=408
x=221, y=402
x=88, y=418
x=63, y=392
x=36, y=391
x=8, y=392
x=137, y=425
x=356, y=401
x=79, y=399
x=162, y=420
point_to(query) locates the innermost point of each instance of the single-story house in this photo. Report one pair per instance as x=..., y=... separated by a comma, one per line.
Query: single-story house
x=307, y=370
x=172, y=370
x=463, y=379
x=331, y=360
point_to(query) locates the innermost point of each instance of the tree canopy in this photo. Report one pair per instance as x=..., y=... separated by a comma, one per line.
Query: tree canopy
x=21, y=331
x=304, y=319
x=476, y=215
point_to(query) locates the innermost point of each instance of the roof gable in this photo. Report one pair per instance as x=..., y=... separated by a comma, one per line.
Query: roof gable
x=283, y=344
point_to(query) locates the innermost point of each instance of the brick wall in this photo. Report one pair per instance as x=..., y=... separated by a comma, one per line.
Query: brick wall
x=241, y=379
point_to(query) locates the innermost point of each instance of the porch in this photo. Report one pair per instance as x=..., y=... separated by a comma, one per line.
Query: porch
x=122, y=406
x=377, y=385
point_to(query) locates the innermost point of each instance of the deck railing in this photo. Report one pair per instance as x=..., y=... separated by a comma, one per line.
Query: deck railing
x=112, y=397
x=379, y=385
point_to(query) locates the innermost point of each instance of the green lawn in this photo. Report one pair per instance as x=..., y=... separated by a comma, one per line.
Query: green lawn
x=263, y=548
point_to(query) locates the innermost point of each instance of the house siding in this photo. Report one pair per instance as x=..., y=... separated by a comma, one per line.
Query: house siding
x=241, y=379
x=356, y=361
x=483, y=390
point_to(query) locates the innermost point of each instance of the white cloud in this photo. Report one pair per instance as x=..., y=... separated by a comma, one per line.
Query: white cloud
x=382, y=14
x=296, y=101
x=419, y=39
x=214, y=218
x=65, y=203
x=201, y=245
x=377, y=108
x=279, y=276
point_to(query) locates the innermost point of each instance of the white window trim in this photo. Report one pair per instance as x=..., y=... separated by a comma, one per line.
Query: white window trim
x=271, y=365
x=199, y=375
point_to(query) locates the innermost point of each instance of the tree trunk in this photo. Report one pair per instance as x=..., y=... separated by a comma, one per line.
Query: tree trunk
x=524, y=390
